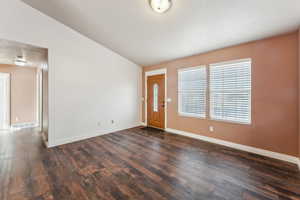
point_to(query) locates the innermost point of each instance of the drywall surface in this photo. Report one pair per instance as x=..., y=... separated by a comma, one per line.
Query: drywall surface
x=89, y=85
x=299, y=92
x=274, y=95
x=23, y=93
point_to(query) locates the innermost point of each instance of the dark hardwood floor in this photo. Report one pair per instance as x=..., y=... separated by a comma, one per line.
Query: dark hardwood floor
x=138, y=164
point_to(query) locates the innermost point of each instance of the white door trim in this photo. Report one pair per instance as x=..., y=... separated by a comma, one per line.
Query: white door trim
x=6, y=76
x=39, y=98
x=152, y=73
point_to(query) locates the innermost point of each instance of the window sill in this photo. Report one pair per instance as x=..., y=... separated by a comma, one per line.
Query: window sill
x=212, y=119
x=231, y=121
x=191, y=115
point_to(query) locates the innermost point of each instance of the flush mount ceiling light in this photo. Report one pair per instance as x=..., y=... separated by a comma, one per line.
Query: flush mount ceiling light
x=20, y=61
x=160, y=6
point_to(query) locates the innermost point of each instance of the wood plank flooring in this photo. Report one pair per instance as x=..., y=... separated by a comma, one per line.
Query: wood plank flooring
x=138, y=164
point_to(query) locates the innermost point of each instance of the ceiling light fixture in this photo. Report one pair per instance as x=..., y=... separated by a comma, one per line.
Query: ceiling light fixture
x=20, y=61
x=160, y=6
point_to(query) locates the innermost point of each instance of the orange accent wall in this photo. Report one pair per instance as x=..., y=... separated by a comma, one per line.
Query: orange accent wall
x=299, y=89
x=275, y=87
x=23, y=84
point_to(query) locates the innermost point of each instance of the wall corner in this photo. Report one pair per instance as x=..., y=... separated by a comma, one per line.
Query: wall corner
x=299, y=97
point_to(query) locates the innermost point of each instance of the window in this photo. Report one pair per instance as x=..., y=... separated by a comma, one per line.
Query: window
x=155, y=97
x=192, y=83
x=230, y=91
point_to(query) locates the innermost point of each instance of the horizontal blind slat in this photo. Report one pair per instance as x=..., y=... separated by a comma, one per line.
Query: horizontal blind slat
x=192, y=86
x=230, y=92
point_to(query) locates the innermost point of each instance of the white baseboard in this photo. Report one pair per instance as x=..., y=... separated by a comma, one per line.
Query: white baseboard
x=24, y=125
x=44, y=139
x=74, y=139
x=250, y=149
x=83, y=137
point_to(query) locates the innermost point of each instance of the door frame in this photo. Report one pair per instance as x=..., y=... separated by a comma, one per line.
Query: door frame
x=153, y=73
x=8, y=98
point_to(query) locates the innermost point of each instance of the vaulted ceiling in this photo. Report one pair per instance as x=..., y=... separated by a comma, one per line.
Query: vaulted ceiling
x=132, y=29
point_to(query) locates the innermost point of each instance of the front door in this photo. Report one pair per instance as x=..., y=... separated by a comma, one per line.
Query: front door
x=156, y=101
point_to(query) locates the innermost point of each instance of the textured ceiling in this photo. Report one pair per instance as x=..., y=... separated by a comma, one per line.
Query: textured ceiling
x=132, y=29
x=34, y=56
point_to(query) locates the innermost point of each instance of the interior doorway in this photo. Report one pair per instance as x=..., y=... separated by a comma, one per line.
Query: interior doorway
x=4, y=101
x=23, y=87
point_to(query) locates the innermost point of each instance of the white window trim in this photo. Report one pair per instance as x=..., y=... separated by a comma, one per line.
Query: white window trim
x=183, y=114
x=153, y=73
x=230, y=121
x=250, y=100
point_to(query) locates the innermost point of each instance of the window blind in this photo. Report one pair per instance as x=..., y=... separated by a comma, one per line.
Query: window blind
x=230, y=91
x=192, y=86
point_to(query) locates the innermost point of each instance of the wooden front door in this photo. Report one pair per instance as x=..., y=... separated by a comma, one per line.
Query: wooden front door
x=156, y=101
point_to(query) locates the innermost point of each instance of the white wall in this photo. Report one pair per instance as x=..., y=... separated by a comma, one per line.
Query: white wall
x=4, y=100
x=88, y=83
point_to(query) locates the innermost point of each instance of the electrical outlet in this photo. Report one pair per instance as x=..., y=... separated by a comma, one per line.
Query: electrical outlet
x=99, y=124
x=211, y=128
x=112, y=121
x=17, y=119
